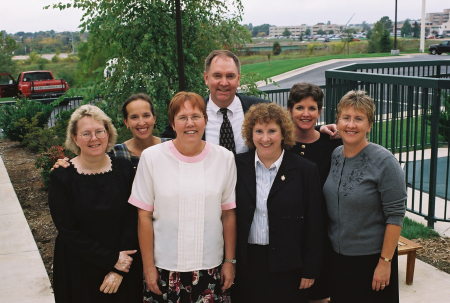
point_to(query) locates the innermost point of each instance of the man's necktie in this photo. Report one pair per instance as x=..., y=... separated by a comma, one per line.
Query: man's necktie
x=226, y=133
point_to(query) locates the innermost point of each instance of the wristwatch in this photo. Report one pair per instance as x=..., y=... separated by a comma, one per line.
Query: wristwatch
x=233, y=261
x=385, y=259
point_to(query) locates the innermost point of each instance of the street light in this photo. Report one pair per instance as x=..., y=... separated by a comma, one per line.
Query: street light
x=395, y=51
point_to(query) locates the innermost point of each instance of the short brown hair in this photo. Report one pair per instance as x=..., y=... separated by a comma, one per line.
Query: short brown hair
x=139, y=96
x=266, y=113
x=98, y=115
x=222, y=53
x=178, y=100
x=304, y=90
x=360, y=102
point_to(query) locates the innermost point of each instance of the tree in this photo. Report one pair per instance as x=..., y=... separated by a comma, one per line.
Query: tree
x=416, y=30
x=7, y=47
x=259, y=28
x=366, y=26
x=139, y=37
x=331, y=32
x=387, y=23
x=261, y=34
x=406, y=29
x=308, y=32
x=329, y=22
x=286, y=32
x=321, y=32
x=385, y=42
x=276, y=48
x=380, y=40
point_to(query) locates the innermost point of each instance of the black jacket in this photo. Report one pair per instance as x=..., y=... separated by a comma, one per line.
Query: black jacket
x=246, y=101
x=296, y=229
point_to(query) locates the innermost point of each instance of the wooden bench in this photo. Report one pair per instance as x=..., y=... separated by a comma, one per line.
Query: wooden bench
x=408, y=247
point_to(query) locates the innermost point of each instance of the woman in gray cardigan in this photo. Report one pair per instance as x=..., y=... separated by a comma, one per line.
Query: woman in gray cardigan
x=365, y=194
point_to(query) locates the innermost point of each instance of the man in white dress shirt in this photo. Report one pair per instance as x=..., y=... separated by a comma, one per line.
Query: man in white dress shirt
x=222, y=76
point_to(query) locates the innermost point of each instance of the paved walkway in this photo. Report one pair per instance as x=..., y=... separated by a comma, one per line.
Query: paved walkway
x=23, y=277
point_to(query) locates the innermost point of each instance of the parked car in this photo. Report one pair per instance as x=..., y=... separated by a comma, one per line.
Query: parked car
x=443, y=47
x=356, y=39
x=40, y=84
x=429, y=37
x=440, y=37
x=7, y=86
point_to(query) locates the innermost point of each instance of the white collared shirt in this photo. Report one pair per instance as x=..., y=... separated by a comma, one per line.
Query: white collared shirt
x=259, y=231
x=215, y=118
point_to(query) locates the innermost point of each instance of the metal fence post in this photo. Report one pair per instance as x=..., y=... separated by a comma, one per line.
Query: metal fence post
x=434, y=134
x=328, y=101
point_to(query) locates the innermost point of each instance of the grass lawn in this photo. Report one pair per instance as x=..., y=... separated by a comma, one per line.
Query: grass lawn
x=7, y=99
x=414, y=230
x=283, y=66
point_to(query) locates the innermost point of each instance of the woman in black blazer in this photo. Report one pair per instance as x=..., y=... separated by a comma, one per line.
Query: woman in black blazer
x=278, y=209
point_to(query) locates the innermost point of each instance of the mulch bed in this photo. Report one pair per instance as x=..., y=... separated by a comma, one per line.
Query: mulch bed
x=33, y=198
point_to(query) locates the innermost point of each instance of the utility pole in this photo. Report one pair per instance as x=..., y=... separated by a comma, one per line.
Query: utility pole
x=422, y=29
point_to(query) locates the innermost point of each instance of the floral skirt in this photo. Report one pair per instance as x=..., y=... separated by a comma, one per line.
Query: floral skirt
x=200, y=286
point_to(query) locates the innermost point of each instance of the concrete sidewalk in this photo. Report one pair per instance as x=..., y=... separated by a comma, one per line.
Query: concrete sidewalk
x=24, y=278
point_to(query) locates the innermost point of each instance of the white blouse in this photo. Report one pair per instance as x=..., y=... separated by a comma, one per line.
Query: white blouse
x=187, y=196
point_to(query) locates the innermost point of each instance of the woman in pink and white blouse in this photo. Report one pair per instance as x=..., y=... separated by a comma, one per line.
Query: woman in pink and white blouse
x=185, y=193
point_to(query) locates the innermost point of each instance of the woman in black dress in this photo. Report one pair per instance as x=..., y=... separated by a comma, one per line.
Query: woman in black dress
x=305, y=106
x=96, y=251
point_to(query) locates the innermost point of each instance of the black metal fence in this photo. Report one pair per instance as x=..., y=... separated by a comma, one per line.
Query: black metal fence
x=411, y=120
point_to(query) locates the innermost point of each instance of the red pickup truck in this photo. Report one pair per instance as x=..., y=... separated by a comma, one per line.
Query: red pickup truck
x=40, y=84
x=33, y=85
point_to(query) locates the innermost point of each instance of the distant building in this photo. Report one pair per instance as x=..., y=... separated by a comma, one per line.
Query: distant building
x=444, y=29
x=434, y=21
x=296, y=30
x=438, y=18
x=326, y=27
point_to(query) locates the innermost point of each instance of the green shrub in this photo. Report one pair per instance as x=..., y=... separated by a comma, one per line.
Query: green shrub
x=48, y=159
x=14, y=119
x=276, y=48
x=41, y=63
x=372, y=47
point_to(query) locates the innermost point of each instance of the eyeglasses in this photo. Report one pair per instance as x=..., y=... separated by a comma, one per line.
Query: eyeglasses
x=87, y=136
x=184, y=119
x=356, y=120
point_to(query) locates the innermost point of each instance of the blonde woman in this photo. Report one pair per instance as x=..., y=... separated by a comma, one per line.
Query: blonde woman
x=96, y=251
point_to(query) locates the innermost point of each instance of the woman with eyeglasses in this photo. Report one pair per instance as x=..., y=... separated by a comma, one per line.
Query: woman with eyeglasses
x=139, y=116
x=365, y=193
x=96, y=251
x=184, y=191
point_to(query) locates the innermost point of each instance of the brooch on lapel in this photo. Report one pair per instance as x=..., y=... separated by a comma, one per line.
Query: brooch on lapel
x=283, y=178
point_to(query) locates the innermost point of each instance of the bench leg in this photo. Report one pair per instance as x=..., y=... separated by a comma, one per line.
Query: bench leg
x=410, y=264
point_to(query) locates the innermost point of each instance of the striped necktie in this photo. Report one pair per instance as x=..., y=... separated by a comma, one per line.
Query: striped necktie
x=226, y=133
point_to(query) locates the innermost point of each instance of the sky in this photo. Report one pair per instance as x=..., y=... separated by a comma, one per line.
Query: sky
x=28, y=15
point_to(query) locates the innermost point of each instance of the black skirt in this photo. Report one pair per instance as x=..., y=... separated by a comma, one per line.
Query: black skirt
x=255, y=283
x=351, y=279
